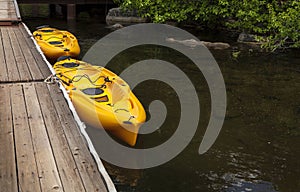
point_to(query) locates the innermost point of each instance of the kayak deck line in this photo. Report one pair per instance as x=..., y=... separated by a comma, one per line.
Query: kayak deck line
x=42, y=147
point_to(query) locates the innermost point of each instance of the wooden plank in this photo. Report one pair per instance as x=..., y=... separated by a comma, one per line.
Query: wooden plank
x=3, y=68
x=27, y=168
x=19, y=57
x=12, y=69
x=48, y=173
x=67, y=167
x=30, y=60
x=6, y=23
x=6, y=12
x=8, y=15
x=8, y=176
x=7, y=5
x=87, y=167
x=9, y=11
x=39, y=60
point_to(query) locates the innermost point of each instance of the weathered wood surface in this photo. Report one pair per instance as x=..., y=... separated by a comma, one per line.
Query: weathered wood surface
x=8, y=176
x=9, y=12
x=20, y=61
x=41, y=145
x=27, y=169
x=90, y=175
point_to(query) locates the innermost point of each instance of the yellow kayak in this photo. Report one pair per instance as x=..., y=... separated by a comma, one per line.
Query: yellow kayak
x=56, y=43
x=101, y=98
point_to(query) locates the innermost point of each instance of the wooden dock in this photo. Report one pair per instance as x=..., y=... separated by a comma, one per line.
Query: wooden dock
x=41, y=147
x=9, y=12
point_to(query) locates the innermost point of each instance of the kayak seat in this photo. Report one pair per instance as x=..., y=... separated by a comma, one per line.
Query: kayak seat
x=92, y=91
x=70, y=65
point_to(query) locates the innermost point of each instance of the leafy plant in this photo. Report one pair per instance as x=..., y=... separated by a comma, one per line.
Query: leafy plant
x=275, y=21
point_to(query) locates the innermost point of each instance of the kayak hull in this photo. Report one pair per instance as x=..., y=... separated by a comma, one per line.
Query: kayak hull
x=56, y=43
x=102, y=99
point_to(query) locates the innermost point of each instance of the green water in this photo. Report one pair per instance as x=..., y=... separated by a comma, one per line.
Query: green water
x=258, y=147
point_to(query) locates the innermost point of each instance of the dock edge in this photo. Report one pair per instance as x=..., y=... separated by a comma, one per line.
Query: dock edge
x=109, y=184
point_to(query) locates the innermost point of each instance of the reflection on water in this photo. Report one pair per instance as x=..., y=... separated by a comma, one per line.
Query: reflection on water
x=258, y=148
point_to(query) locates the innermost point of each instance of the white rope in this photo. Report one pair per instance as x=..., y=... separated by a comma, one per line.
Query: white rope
x=110, y=185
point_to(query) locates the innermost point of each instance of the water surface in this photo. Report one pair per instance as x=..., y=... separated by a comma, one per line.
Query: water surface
x=258, y=148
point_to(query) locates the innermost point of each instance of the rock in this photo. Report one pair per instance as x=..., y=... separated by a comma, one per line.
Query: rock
x=193, y=43
x=187, y=42
x=117, y=15
x=244, y=37
x=115, y=26
x=216, y=45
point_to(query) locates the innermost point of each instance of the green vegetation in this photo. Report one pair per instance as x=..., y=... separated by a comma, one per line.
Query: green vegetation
x=276, y=22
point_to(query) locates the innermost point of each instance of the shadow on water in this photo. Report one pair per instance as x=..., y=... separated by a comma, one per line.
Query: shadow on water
x=258, y=148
